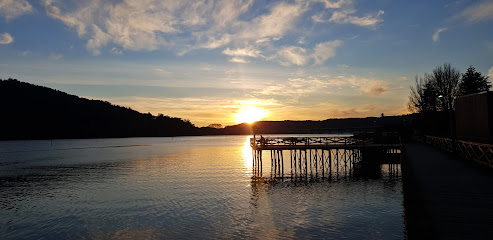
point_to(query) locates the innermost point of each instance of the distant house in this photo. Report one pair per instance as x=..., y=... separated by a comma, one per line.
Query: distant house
x=474, y=117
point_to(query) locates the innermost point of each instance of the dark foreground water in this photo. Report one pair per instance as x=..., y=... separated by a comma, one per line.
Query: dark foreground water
x=184, y=187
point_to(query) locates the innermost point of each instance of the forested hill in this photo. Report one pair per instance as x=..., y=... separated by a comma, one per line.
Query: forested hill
x=34, y=112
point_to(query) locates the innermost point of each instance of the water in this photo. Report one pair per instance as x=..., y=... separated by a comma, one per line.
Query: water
x=183, y=187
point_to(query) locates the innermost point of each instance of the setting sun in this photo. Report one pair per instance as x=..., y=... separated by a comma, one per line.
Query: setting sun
x=250, y=114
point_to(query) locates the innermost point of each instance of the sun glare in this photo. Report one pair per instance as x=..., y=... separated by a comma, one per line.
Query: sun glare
x=250, y=114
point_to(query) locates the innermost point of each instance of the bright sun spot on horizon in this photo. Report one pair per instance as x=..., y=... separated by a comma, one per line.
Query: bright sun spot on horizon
x=250, y=114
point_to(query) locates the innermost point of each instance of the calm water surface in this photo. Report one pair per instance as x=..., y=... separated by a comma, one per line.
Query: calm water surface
x=183, y=187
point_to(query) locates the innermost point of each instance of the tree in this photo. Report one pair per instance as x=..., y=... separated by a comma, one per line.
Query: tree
x=473, y=82
x=423, y=94
x=215, y=125
x=446, y=80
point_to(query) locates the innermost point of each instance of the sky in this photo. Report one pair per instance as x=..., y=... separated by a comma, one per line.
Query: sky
x=222, y=61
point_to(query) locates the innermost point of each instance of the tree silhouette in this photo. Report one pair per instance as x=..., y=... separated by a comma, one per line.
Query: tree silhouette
x=473, y=82
x=36, y=112
x=424, y=95
x=215, y=125
x=446, y=79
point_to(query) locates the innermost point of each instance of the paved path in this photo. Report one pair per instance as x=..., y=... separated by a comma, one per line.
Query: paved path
x=456, y=196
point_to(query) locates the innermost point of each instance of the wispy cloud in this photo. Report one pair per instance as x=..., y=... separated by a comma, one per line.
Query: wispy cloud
x=368, y=86
x=239, y=60
x=116, y=51
x=324, y=51
x=276, y=23
x=55, y=56
x=161, y=72
x=481, y=11
x=305, y=85
x=242, y=52
x=436, y=35
x=6, y=38
x=228, y=26
x=370, y=20
x=292, y=55
x=14, y=8
x=343, y=12
x=335, y=4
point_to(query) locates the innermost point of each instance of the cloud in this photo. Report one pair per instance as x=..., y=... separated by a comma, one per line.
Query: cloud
x=347, y=85
x=133, y=25
x=436, y=35
x=6, y=38
x=181, y=25
x=14, y=8
x=344, y=12
x=161, y=72
x=376, y=88
x=68, y=20
x=324, y=51
x=187, y=25
x=214, y=42
x=242, y=52
x=346, y=16
x=301, y=40
x=280, y=19
x=335, y=4
x=295, y=87
x=482, y=11
x=56, y=57
x=238, y=60
x=371, y=87
x=116, y=51
x=292, y=55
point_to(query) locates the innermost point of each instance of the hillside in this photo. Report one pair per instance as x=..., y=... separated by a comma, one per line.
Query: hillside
x=35, y=112
x=345, y=125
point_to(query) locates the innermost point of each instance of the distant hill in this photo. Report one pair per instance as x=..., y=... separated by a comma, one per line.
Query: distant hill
x=34, y=112
x=345, y=125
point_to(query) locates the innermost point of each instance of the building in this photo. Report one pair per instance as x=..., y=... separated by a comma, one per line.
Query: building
x=474, y=117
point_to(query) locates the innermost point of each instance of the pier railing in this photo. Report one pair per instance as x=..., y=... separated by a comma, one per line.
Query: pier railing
x=479, y=152
x=306, y=141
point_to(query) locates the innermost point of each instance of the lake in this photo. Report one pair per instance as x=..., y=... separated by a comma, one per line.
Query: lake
x=183, y=188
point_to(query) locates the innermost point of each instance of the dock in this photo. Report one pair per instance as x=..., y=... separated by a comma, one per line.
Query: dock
x=319, y=156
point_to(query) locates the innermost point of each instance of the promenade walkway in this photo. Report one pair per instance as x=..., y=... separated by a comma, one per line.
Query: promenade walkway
x=447, y=198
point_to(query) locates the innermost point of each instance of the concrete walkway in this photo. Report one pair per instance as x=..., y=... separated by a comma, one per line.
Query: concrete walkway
x=455, y=196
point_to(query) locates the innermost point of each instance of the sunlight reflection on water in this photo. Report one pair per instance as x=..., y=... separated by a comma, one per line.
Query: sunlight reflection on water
x=186, y=187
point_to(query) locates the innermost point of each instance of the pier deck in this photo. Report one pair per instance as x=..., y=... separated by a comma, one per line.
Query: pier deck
x=319, y=156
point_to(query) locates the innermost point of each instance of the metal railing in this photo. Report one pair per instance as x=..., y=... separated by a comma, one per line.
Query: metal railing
x=479, y=152
x=307, y=141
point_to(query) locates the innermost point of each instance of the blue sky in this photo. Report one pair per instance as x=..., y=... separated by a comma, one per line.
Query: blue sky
x=207, y=61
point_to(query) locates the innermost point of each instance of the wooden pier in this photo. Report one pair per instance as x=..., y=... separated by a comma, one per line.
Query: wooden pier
x=320, y=156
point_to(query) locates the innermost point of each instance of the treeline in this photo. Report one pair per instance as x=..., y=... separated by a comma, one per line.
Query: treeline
x=344, y=125
x=438, y=90
x=432, y=97
x=35, y=112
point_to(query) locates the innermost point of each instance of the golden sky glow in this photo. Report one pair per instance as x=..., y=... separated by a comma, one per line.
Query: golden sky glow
x=250, y=114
